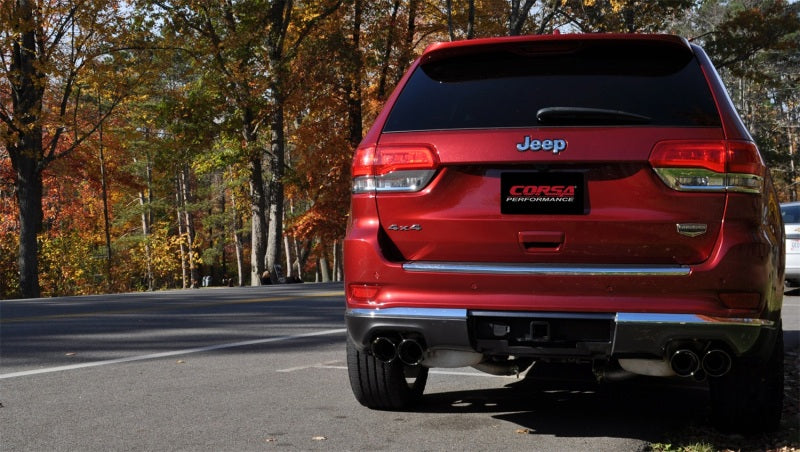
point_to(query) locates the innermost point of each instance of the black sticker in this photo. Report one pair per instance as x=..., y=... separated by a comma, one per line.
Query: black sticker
x=542, y=193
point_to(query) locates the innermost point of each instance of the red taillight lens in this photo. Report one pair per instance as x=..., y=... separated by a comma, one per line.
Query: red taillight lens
x=712, y=165
x=394, y=168
x=364, y=161
x=404, y=158
x=689, y=154
x=744, y=158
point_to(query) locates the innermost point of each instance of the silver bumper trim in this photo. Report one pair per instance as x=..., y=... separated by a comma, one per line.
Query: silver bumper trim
x=657, y=318
x=547, y=269
x=433, y=313
x=634, y=334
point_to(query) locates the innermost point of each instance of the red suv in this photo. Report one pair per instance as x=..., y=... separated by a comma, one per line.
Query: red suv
x=566, y=198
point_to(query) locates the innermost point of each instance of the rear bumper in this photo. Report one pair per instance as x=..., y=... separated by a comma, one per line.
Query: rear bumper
x=631, y=334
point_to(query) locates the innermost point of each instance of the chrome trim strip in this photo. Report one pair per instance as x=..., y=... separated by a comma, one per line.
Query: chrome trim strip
x=433, y=313
x=656, y=318
x=548, y=269
x=544, y=315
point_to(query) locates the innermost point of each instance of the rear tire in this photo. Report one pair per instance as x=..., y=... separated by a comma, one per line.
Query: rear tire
x=749, y=399
x=384, y=386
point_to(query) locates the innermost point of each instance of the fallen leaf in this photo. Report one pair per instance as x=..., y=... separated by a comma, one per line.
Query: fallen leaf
x=523, y=431
x=180, y=361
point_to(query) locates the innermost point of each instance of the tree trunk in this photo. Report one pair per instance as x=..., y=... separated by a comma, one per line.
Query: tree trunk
x=323, y=268
x=188, y=198
x=148, y=259
x=238, y=242
x=518, y=16
x=387, y=53
x=288, y=251
x=337, y=261
x=24, y=143
x=29, y=198
x=471, y=20
x=181, y=233
x=106, y=221
x=354, y=98
x=146, y=205
x=258, y=233
x=408, y=44
x=449, y=11
x=277, y=163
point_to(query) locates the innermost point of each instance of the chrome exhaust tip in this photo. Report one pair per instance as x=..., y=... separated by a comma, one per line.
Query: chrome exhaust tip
x=410, y=352
x=684, y=362
x=384, y=349
x=716, y=363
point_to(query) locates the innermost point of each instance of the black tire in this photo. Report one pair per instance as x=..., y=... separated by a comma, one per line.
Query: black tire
x=384, y=386
x=749, y=399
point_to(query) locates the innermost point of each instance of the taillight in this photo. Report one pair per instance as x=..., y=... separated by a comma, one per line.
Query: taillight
x=396, y=168
x=719, y=165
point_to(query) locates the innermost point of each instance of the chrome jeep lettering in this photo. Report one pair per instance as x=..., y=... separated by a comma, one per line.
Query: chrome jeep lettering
x=551, y=145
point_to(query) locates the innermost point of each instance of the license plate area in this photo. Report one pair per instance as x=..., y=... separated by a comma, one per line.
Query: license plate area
x=542, y=193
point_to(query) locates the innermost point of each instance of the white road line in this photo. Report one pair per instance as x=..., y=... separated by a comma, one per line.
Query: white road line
x=325, y=365
x=168, y=354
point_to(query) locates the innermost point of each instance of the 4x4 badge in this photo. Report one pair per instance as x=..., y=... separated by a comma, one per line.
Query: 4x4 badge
x=555, y=145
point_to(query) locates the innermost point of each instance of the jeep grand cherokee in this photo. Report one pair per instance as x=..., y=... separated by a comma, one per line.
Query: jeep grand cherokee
x=575, y=198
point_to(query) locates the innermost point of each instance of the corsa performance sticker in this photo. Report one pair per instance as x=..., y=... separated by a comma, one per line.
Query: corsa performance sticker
x=542, y=193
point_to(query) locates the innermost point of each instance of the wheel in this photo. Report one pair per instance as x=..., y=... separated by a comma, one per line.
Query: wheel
x=749, y=399
x=384, y=386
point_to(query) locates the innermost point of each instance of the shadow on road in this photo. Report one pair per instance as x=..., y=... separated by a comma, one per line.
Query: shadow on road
x=553, y=401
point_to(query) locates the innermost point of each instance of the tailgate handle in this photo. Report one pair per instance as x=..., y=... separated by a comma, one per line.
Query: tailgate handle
x=541, y=241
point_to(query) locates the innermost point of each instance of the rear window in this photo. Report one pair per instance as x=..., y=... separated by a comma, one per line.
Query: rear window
x=579, y=83
x=790, y=213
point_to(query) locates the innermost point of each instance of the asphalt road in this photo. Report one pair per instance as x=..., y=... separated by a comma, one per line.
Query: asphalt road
x=264, y=369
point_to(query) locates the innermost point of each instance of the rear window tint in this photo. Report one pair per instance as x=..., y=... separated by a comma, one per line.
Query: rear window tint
x=790, y=213
x=506, y=87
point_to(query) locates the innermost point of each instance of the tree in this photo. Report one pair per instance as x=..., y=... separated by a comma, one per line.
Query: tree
x=624, y=16
x=51, y=51
x=755, y=46
x=248, y=45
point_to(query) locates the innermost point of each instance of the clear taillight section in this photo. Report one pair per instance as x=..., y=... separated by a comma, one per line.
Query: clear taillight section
x=709, y=166
x=393, y=169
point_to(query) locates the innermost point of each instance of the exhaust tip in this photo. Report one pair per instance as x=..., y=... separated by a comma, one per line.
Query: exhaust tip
x=384, y=349
x=684, y=362
x=716, y=363
x=410, y=352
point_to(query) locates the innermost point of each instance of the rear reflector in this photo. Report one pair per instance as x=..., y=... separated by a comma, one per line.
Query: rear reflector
x=364, y=292
x=718, y=165
x=743, y=300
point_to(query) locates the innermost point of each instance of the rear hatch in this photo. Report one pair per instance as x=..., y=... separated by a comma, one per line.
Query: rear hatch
x=544, y=151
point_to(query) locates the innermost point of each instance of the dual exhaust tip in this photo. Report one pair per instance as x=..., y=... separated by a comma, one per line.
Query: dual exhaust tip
x=408, y=351
x=686, y=362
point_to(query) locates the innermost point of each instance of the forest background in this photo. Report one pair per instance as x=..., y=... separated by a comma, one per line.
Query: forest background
x=148, y=144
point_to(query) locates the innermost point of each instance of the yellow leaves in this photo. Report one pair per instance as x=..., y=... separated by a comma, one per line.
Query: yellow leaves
x=616, y=5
